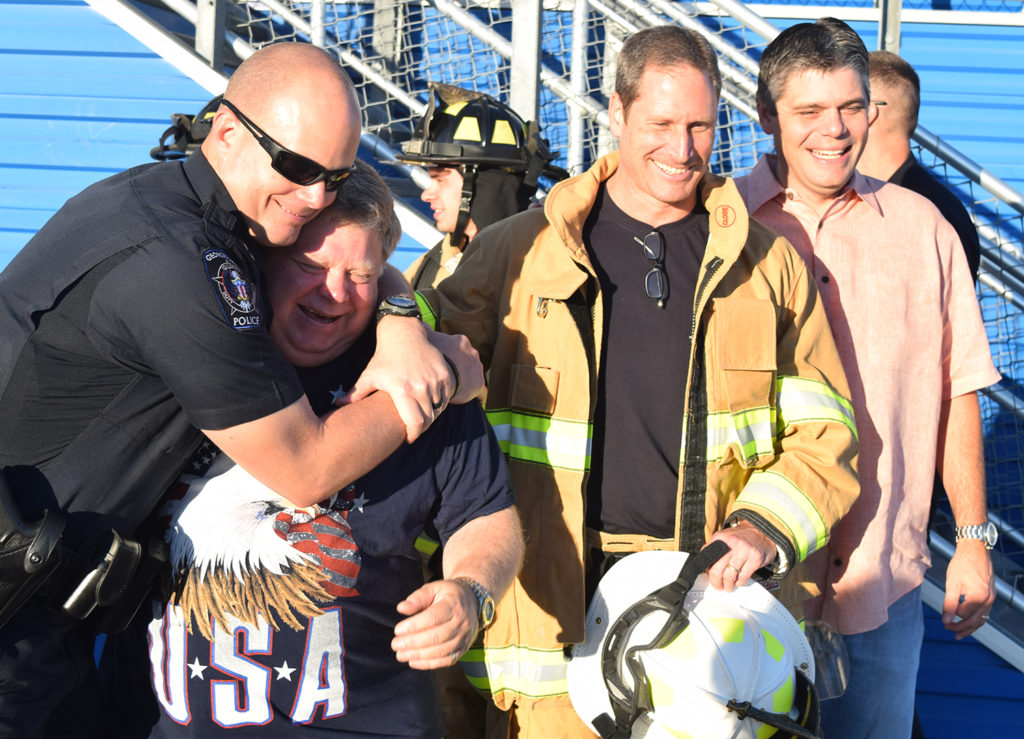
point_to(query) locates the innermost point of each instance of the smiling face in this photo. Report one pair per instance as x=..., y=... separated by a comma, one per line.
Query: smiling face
x=274, y=207
x=323, y=290
x=820, y=128
x=443, y=196
x=299, y=96
x=665, y=142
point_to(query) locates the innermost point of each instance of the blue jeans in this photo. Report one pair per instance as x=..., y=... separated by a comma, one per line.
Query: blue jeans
x=879, y=700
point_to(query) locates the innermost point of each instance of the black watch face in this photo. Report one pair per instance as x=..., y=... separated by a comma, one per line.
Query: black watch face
x=487, y=611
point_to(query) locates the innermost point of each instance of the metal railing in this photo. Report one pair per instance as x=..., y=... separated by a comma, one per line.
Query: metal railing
x=392, y=49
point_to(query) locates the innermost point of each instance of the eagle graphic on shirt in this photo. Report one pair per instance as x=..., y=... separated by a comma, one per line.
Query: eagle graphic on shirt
x=240, y=550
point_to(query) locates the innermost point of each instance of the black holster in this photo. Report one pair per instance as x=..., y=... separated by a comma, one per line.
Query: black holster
x=29, y=552
x=108, y=577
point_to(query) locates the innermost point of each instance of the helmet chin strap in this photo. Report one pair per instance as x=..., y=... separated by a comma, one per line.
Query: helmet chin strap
x=468, y=188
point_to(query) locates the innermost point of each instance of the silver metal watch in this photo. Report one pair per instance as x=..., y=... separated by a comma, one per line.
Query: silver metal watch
x=986, y=532
x=484, y=602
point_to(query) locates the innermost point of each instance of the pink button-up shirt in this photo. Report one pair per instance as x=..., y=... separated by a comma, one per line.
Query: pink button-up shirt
x=899, y=297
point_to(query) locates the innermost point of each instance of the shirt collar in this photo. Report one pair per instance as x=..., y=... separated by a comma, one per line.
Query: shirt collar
x=211, y=191
x=763, y=186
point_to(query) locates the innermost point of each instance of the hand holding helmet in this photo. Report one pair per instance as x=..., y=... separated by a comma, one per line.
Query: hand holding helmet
x=686, y=659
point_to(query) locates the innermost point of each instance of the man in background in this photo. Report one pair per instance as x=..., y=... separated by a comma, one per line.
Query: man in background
x=898, y=294
x=896, y=94
x=483, y=161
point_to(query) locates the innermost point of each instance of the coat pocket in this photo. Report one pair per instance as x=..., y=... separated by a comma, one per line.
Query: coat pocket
x=745, y=344
x=533, y=388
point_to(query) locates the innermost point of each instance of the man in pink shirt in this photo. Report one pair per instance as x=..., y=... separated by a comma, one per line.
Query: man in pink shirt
x=898, y=294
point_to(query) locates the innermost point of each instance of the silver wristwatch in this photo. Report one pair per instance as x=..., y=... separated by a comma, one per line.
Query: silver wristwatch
x=986, y=532
x=484, y=602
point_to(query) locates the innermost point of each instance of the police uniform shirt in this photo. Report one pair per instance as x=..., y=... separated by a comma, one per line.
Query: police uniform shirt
x=134, y=317
x=642, y=378
x=337, y=673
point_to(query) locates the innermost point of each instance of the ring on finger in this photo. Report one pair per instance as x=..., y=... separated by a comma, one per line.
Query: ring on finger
x=454, y=657
x=438, y=405
x=984, y=617
x=734, y=569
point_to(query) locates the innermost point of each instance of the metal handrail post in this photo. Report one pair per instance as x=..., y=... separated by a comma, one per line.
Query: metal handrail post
x=578, y=82
x=524, y=66
x=210, y=26
x=317, y=33
x=497, y=42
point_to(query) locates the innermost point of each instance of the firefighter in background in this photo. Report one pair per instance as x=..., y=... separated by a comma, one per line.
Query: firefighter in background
x=483, y=161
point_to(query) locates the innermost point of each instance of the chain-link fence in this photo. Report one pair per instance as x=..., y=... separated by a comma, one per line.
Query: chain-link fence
x=392, y=49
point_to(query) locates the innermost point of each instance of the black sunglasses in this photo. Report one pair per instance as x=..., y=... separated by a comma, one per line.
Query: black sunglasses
x=656, y=281
x=287, y=163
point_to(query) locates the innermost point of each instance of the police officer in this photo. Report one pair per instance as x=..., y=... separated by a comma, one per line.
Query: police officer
x=483, y=161
x=134, y=322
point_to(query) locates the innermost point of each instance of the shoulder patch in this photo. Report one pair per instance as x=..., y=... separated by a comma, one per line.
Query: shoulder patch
x=236, y=295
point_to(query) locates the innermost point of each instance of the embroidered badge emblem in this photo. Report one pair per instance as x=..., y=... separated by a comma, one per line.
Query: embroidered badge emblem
x=236, y=295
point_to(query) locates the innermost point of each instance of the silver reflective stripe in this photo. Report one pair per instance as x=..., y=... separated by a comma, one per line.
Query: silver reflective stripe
x=778, y=497
x=752, y=431
x=534, y=673
x=554, y=442
x=802, y=399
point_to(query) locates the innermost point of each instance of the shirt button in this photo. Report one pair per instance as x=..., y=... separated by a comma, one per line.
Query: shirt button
x=838, y=562
x=824, y=279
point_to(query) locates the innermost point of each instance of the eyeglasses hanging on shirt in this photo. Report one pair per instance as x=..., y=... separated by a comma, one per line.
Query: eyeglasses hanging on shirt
x=656, y=281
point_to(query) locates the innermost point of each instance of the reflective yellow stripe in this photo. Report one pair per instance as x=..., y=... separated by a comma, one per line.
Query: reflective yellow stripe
x=554, y=442
x=802, y=399
x=534, y=673
x=503, y=133
x=775, y=495
x=429, y=316
x=752, y=431
x=426, y=545
x=755, y=430
x=467, y=130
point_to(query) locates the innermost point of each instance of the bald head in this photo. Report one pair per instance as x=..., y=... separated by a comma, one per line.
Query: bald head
x=282, y=70
x=300, y=97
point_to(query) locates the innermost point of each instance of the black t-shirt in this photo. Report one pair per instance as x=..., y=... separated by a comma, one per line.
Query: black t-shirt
x=337, y=673
x=641, y=384
x=134, y=317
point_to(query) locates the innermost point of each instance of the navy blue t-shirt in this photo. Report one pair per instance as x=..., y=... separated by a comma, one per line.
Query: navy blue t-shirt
x=336, y=671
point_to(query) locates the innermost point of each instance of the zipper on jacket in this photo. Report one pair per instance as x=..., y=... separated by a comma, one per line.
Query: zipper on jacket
x=713, y=266
x=693, y=486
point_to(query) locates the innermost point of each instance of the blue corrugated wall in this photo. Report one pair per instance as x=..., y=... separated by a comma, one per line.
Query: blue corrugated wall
x=81, y=99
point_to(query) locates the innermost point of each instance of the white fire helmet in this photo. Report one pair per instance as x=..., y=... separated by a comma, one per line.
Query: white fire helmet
x=729, y=664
